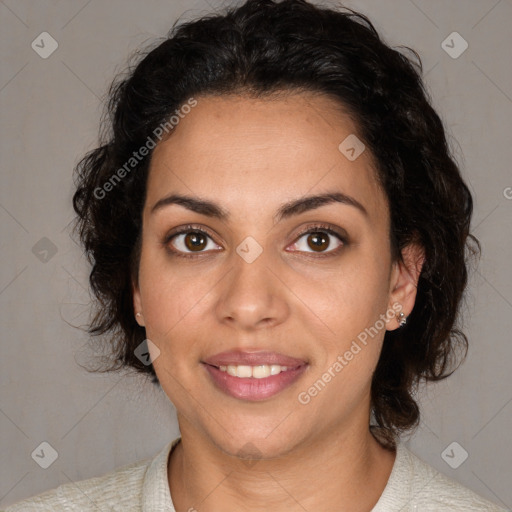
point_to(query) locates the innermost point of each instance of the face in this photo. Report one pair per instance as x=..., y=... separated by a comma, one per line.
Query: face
x=267, y=309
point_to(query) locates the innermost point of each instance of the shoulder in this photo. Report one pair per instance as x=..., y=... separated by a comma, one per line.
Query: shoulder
x=436, y=491
x=417, y=486
x=120, y=489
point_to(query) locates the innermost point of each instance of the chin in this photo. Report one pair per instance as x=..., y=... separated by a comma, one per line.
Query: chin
x=252, y=444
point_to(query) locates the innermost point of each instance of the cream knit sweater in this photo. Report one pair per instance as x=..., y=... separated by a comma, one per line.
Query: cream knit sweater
x=413, y=486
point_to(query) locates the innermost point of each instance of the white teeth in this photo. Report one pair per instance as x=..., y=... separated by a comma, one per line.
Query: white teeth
x=275, y=369
x=257, y=372
x=260, y=372
x=243, y=371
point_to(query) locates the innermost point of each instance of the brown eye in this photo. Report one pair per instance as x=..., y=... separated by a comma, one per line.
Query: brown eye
x=189, y=242
x=318, y=241
x=195, y=241
x=322, y=240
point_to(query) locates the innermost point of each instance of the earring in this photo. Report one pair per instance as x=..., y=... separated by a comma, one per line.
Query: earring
x=139, y=319
x=401, y=318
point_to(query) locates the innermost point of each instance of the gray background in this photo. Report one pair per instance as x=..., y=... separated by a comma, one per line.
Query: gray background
x=50, y=112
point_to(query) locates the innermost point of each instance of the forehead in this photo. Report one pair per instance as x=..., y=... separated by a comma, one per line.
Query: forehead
x=263, y=152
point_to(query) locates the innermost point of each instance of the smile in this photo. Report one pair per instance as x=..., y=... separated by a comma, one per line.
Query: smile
x=256, y=372
x=253, y=383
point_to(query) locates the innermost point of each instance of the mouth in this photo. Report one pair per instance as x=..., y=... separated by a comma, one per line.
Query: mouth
x=261, y=371
x=253, y=376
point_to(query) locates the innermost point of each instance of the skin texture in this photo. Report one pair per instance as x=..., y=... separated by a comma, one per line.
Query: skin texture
x=251, y=156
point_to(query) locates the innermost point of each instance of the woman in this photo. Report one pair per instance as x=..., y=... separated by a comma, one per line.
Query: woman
x=278, y=235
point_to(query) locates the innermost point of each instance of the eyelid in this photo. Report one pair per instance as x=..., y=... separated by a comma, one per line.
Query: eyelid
x=330, y=229
x=311, y=228
x=184, y=230
x=320, y=226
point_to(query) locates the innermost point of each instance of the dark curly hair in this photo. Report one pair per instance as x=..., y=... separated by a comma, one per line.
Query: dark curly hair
x=264, y=47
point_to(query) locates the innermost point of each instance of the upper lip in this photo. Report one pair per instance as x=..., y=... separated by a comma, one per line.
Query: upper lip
x=256, y=358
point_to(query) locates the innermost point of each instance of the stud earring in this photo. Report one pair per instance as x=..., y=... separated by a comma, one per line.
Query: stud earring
x=401, y=318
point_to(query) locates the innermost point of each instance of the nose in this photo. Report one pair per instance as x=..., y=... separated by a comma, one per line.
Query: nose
x=251, y=296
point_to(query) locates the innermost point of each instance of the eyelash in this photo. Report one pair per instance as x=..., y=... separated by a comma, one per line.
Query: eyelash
x=317, y=228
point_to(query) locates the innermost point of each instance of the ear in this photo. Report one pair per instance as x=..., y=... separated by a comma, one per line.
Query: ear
x=403, y=284
x=137, y=304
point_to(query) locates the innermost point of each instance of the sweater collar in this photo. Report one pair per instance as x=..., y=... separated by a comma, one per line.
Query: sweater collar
x=156, y=495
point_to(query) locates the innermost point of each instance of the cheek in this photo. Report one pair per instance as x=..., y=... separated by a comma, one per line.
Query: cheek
x=170, y=296
x=174, y=317
x=347, y=299
x=352, y=304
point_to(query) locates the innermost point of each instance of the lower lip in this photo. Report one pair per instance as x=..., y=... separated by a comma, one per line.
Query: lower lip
x=251, y=388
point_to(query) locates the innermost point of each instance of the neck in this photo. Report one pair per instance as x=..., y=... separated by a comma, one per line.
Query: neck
x=345, y=471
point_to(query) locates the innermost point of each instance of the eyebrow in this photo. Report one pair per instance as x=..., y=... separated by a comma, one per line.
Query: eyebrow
x=289, y=209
